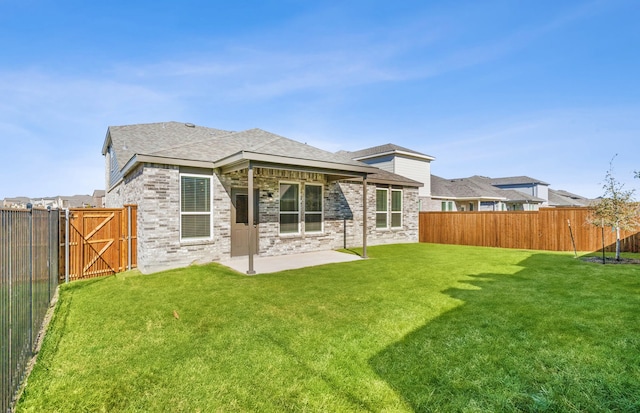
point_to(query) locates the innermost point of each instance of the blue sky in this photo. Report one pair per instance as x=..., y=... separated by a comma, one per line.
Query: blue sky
x=548, y=89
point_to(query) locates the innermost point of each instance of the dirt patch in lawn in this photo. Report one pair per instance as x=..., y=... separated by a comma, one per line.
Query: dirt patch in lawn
x=611, y=260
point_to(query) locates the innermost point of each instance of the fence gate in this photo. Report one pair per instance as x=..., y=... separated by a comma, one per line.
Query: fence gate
x=97, y=242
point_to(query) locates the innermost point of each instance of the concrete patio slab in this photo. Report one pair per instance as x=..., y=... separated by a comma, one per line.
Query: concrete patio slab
x=265, y=265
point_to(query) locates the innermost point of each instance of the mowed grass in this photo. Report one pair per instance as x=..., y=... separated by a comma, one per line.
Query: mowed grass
x=417, y=327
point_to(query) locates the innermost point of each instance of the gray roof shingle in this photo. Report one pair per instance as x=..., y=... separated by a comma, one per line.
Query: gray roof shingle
x=515, y=180
x=382, y=149
x=564, y=198
x=190, y=142
x=197, y=143
x=476, y=187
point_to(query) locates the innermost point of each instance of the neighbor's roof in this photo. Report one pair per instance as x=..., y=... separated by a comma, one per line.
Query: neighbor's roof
x=476, y=187
x=387, y=149
x=463, y=188
x=516, y=180
x=560, y=198
x=174, y=142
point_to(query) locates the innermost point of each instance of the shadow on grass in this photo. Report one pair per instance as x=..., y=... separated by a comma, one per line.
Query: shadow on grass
x=552, y=337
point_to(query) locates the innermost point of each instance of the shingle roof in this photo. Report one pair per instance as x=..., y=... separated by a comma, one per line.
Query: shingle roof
x=383, y=176
x=198, y=143
x=463, y=188
x=148, y=138
x=515, y=180
x=476, y=187
x=383, y=149
x=564, y=198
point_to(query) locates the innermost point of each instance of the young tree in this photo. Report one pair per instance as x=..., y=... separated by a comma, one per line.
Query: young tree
x=616, y=208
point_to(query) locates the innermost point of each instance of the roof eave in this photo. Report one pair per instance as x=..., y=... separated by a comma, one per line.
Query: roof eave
x=396, y=152
x=241, y=156
x=469, y=198
x=138, y=159
x=107, y=141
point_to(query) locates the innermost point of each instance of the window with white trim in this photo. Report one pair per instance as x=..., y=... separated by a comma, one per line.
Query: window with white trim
x=447, y=205
x=195, y=207
x=289, y=208
x=396, y=208
x=312, y=208
x=382, y=208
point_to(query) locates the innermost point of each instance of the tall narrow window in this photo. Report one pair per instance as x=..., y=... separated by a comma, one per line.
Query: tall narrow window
x=396, y=208
x=195, y=207
x=382, y=208
x=312, y=208
x=289, y=209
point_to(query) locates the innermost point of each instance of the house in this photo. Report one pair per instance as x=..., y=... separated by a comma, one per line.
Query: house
x=98, y=198
x=561, y=198
x=480, y=193
x=207, y=194
x=476, y=193
x=402, y=161
x=524, y=184
x=56, y=202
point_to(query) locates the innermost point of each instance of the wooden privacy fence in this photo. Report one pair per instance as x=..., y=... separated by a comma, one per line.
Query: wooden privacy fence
x=546, y=229
x=97, y=242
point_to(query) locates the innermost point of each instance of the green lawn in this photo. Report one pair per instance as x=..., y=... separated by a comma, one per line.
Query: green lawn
x=417, y=327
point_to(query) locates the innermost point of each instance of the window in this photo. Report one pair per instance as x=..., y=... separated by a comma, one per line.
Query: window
x=312, y=208
x=396, y=208
x=382, y=208
x=447, y=205
x=470, y=206
x=289, y=208
x=195, y=207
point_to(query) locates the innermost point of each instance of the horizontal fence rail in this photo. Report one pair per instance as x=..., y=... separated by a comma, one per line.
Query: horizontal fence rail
x=29, y=272
x=548, y=229
x=95, y=242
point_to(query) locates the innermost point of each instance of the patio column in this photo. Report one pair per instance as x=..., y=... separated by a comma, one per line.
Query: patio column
x=364, y=217
x=250, y=219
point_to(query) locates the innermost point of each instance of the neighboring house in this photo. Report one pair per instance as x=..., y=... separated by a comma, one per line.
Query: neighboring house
x=401, y=161
x=206, y=194
x=17, y=202
x=56, y=202
x=480, y=193
x=98, y=198
x=524, y=184
x=561, y=198
x=476, y=193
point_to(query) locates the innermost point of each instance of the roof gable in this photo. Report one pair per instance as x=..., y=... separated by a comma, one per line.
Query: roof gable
x=150, y=138
x=387, y=149
x=516, y=180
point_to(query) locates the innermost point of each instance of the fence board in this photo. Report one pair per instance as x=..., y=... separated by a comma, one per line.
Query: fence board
x=546, y=229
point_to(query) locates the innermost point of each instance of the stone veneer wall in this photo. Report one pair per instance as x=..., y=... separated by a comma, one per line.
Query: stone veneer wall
x=156, y=190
